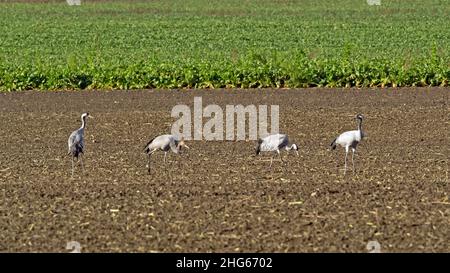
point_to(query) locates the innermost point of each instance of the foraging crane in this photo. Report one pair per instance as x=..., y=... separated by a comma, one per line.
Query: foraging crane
x=164, y=143
x=350, y=139
x=76, y=141
x=273, y=143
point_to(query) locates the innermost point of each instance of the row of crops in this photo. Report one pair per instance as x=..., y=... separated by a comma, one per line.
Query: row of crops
x=223, y=44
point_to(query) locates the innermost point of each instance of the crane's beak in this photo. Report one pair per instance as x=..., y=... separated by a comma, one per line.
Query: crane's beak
x=185, y=146
x=91, y=116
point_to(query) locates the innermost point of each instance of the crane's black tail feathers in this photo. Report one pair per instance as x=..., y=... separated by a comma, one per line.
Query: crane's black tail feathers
x=146, y=149
x=75, y=151
x=333, y=144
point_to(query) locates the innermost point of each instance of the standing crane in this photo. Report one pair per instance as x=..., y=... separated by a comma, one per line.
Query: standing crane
x=76, y=142
x=350, y=139
x=273, y=143
x=164, y=143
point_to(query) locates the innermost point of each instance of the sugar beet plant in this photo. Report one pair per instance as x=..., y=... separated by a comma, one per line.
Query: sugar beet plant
x=223, y=44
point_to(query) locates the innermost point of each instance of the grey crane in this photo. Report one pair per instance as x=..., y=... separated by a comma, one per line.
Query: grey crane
x=350, y=139
x=76, y=142
x=273, y=143
x=163, y=143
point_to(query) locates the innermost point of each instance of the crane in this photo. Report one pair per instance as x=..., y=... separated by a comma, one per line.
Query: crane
x=350, y=139
x=273, y=143
x=164, y=143
x=76, y=142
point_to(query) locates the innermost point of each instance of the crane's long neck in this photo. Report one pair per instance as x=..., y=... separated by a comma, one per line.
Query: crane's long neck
x=83, y=123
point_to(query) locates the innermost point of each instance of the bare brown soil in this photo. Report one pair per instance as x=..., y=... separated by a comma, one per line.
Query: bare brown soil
x=218, y=196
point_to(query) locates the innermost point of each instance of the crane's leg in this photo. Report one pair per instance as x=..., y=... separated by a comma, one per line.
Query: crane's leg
x=72, y=166
x=281, y=158
x=82, y=165
x=165, y=155
x=148, y=163
x=271, y=161
x=353, y=162
x=346, y=154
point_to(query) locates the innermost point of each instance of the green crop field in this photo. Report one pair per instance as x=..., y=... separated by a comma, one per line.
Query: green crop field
x=129, y=44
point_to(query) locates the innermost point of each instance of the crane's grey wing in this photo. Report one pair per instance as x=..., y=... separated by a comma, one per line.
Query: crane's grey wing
x=71, y=140
x=76, y=143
